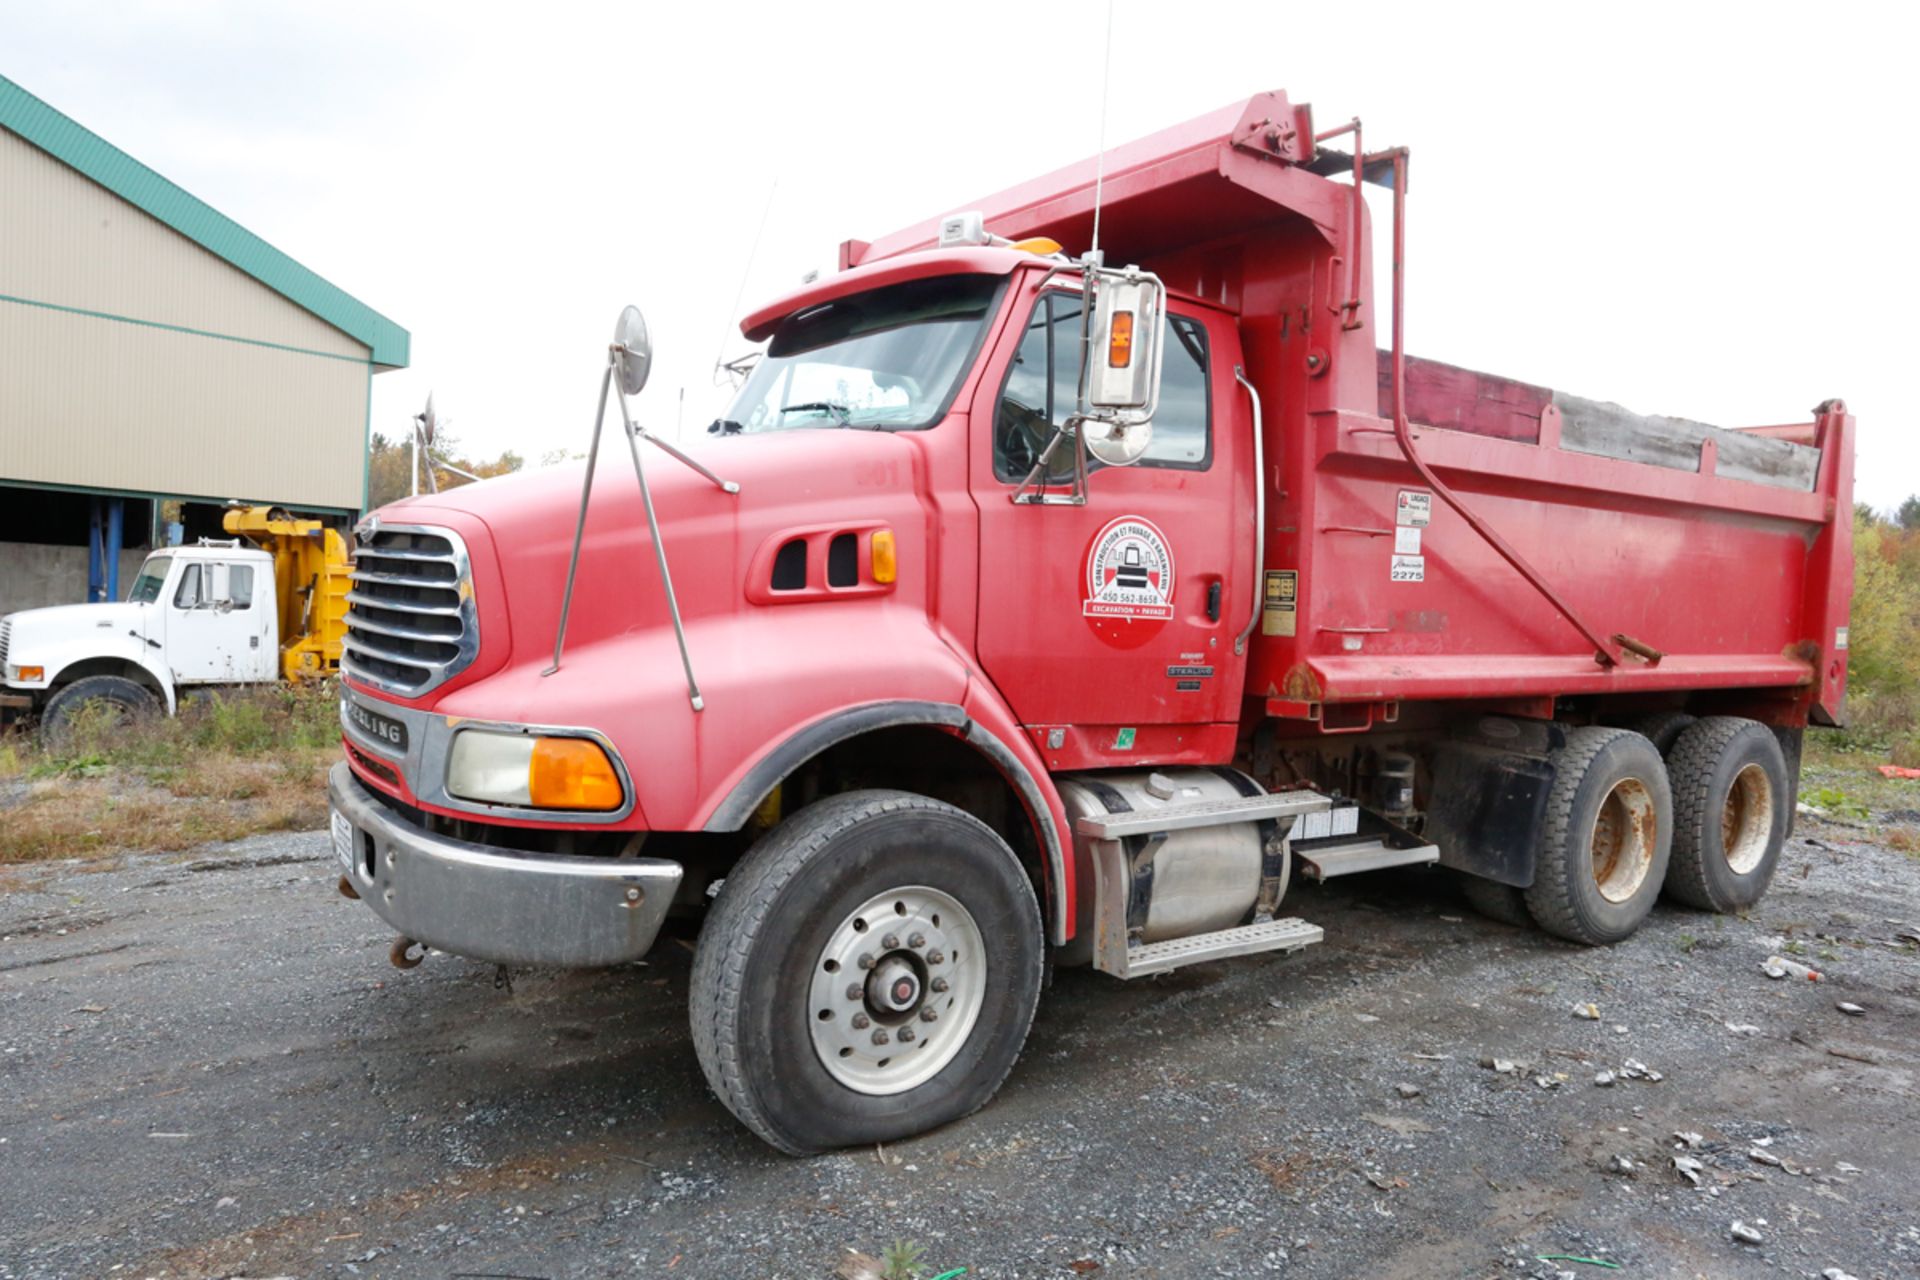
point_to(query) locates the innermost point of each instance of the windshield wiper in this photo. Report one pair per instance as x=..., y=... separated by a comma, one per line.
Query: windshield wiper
x=841, y=413
x=725, y=427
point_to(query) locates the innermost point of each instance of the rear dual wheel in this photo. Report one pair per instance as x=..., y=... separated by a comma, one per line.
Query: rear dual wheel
x=1608, y=839
x=869, y=971
x=1731, y=798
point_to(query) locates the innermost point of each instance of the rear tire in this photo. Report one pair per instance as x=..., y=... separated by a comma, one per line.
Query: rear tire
x=1496, y=901
x=1663, y=728
x=866, y=888
x=121, y=702
x=1732, y=807
x=1608, y=838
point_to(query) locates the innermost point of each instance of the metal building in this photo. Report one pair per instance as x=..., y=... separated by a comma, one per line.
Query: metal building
x=151, y=349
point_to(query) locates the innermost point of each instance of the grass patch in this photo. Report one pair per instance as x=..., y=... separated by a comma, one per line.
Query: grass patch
x=231, y=764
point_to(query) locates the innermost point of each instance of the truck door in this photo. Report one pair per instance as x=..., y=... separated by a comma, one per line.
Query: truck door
x=218, y=629
x=1110, y=627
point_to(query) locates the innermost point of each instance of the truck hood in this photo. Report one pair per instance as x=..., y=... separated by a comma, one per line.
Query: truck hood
x=804, y=484
x=39, y=630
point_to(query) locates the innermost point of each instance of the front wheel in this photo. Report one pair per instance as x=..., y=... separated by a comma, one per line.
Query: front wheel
x=100, y=705
x=869, y=971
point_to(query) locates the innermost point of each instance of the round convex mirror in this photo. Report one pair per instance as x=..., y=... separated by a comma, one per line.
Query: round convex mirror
x=635, y=357
x=1117, y=444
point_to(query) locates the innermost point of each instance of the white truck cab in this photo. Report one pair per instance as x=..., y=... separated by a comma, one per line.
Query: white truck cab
x=199, y=615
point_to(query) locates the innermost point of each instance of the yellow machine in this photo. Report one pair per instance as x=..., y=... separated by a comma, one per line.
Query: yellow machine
x=310, y=567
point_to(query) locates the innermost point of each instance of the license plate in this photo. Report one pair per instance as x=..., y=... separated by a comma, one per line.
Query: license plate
x=343, y=840
x=384, y=730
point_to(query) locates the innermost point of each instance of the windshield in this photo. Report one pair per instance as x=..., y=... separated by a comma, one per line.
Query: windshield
x=153, y=576
x=889, y=358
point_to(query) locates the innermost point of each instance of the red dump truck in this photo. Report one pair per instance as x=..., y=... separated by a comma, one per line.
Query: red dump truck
x=1042, y=604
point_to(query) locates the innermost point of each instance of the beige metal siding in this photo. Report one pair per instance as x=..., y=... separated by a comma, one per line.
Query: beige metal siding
x=128, y=403
x=108, y=405
x=76, y=244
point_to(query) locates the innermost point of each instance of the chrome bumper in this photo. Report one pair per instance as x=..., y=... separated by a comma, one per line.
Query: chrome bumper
x=509, y=908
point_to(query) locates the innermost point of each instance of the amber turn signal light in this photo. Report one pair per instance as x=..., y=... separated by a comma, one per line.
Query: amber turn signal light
x=1120, y=341
x=885, y=567
x=572, y=773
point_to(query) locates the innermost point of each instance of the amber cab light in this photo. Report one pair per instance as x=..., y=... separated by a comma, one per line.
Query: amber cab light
x=885, y=567
x=572, y=773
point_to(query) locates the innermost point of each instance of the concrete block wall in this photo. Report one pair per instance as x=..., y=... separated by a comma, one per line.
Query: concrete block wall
x=32, y=575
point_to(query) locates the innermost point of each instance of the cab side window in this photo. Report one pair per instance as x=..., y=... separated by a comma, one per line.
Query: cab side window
x=1043, y=389
x=208, y=585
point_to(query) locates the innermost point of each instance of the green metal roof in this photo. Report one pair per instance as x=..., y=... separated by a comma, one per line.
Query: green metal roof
x=83, y=150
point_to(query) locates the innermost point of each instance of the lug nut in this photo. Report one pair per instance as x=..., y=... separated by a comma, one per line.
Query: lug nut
x=891, y=942
x=936, y=957
x=855, y=991
x=939, y=984
x=906, y=1035
x=880, y=1036
x=917, y=941
x=866, y=962
x=929, y=1014
x=861, y=1022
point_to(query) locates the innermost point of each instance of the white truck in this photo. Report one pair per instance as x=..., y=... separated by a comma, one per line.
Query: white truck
x=224, y=612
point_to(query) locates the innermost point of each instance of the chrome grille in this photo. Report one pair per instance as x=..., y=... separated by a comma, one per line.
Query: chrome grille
x=410, y=618
x=6, y=634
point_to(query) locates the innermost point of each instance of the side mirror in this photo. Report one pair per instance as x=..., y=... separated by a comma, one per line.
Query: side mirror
x=633, y=351
x=1123, y=370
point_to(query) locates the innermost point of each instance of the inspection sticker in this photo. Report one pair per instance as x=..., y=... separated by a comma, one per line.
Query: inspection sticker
x=1415, y=507
x=1406, y=540
x=1409, y=569
x=1279, y=614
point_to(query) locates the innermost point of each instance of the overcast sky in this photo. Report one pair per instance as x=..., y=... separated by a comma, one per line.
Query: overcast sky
x=1700, y=210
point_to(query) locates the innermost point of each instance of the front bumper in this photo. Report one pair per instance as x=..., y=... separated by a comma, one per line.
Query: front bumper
x=509, y=908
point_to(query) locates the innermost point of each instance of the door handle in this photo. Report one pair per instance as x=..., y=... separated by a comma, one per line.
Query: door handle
x=1213, y=601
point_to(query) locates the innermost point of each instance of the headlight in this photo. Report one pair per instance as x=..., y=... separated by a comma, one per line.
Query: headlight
x=532, y=773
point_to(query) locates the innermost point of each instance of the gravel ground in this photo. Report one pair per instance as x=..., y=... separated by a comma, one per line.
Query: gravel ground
x=208, y=1068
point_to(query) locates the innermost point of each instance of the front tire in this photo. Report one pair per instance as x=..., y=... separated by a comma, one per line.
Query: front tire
x=1732, y=802
x=108, y=702
x=1609, y=836
x=828, y=947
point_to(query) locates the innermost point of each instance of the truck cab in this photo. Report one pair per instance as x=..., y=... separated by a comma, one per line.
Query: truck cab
x=199, y=615
x=1024, y=609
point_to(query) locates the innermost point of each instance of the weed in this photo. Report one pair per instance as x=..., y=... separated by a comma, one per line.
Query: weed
x=901, y=1260
x=231, y=764
x=1688, y=942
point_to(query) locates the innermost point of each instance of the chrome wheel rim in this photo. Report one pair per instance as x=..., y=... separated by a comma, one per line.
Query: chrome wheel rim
x=1746, y=820
x=1625, y=834
x=896, y=990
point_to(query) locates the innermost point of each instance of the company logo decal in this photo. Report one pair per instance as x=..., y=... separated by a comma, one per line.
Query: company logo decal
x=1129, y=573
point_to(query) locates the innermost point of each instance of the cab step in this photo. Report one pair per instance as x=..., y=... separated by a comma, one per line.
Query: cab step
x=1268, y=935
x=1323, y=861
x=1209, y=813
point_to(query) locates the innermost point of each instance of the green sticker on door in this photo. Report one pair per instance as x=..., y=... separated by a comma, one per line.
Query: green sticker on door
x=1123, y=740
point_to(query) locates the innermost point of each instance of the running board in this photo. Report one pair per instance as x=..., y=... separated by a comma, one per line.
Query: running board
x=1367, y=853
x=1158, y=957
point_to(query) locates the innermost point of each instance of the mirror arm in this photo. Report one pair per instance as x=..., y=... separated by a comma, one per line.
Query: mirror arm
x=1259, y=514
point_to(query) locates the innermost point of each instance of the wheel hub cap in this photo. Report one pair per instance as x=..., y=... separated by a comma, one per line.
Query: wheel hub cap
x=896, y=990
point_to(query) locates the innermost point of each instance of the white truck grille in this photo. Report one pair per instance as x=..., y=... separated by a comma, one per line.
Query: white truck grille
x=6, y=634
x=410, y=616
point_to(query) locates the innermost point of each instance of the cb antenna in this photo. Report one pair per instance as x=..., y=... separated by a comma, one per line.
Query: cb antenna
x=739, y=295
x=1100, y=156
